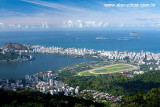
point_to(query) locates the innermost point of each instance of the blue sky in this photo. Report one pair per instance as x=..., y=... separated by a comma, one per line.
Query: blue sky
x=78, y=14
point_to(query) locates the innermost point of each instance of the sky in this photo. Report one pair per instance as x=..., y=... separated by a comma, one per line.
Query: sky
x=78, y=14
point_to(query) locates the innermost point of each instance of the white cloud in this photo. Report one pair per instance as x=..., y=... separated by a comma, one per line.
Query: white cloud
x=44, y=25
x=122, y=25
x=92, y=18
x=83, y=24
x=19, y=25
x=105, y=24
x=53, y=5
x=11, y=25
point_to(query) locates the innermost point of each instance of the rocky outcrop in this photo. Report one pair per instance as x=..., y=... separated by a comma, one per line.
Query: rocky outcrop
x=14, y=46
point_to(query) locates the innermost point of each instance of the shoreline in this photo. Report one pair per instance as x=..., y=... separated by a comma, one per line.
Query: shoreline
x=140, y=58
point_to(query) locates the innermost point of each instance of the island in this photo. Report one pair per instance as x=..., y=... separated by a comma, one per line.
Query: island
x=133, y=34
x=100, y=38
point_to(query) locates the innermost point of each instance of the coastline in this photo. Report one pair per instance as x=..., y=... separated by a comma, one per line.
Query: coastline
x=138, y=59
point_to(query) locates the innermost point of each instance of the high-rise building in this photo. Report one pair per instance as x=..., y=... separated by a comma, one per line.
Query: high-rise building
x=77, y=90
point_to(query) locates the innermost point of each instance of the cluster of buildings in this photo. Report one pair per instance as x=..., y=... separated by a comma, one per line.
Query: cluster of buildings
x=15, y=58
x=19, y=59
x=12, y=85
x=139, y=58
x=59, y=50
x=138, y=72
x=6, y=50
x=43, y=82
x=96, y=95
x=48, y=83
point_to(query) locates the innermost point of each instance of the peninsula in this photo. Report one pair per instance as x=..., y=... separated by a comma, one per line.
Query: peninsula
x=11, y=52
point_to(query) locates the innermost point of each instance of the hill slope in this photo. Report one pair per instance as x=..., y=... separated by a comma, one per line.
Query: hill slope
x=35, y=99
x=14, y=46
x=150, y=99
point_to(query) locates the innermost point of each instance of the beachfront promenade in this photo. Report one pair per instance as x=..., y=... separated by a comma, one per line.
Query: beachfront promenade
x=60, y=50
x=139, y=58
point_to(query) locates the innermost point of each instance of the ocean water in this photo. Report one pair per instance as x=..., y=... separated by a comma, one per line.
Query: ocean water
x=148, y=41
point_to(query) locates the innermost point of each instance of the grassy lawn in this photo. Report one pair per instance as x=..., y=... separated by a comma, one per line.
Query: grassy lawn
x=86, y=73
x=113, y=68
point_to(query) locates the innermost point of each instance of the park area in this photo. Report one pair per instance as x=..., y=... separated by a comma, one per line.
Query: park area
x=113, y=68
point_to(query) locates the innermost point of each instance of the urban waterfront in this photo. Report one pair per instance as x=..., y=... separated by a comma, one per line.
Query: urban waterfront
x=42, y=62
x=148, y=41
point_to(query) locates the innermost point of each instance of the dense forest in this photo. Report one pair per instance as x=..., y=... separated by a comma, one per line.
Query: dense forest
x=8, y=56
x=150, y=99
x=116, y=84
x=37, y=99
